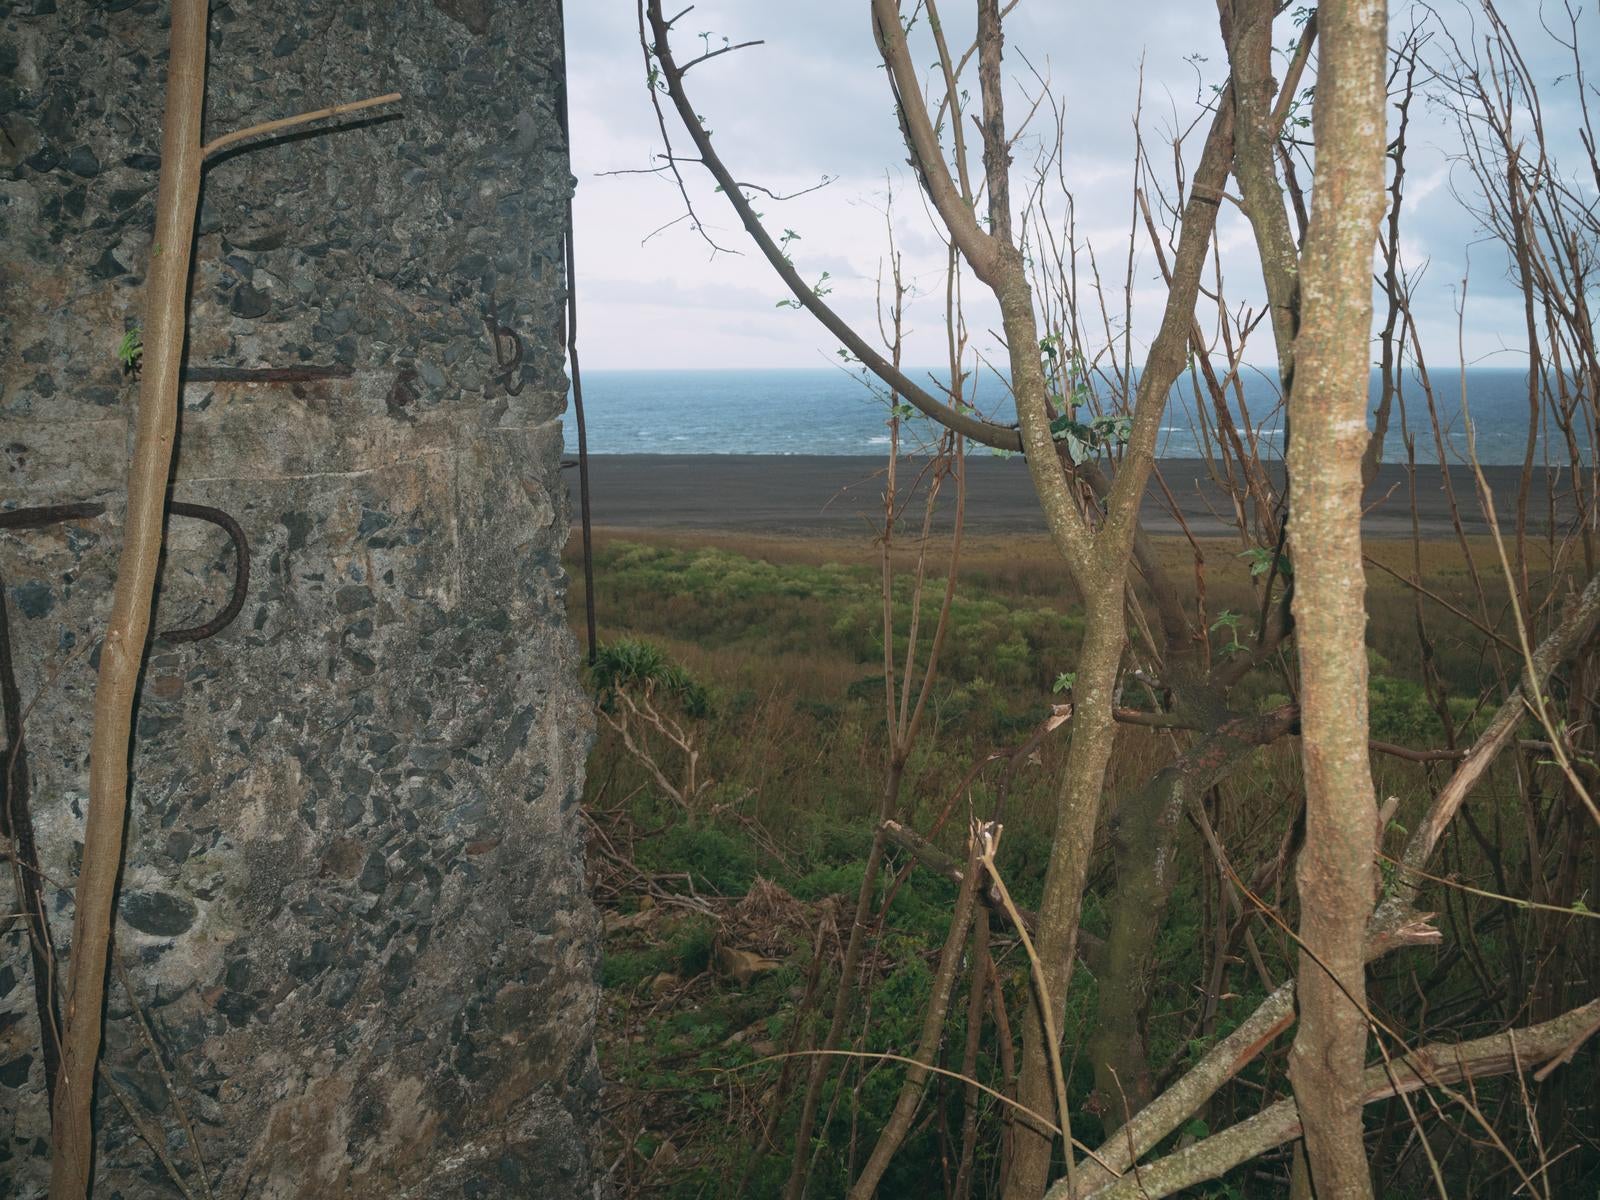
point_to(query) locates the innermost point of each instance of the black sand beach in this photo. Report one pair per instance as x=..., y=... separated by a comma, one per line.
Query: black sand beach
x=816, y=495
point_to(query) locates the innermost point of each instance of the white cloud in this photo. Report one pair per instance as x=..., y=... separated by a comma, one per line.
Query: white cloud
x=812, y=101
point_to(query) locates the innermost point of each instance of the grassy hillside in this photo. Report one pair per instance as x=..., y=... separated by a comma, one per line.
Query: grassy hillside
x=723, y=904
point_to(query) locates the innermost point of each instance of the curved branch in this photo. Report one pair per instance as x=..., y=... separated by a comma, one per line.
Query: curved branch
x=1000, y=437
x=979, y=247
x=710, y=54
x=672, y=159
x=305, y=118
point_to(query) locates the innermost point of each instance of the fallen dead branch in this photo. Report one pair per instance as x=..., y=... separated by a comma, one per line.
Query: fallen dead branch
x=1436, y=1065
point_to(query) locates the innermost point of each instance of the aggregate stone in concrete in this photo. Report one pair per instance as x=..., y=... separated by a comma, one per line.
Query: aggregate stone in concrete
x=352, y=911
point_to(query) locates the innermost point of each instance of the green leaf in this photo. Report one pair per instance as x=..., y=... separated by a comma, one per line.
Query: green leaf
x=131, y=349
x=1263, y=560
x=1110, y=430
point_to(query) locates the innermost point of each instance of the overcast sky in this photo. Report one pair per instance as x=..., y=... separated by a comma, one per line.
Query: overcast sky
x=812, y=101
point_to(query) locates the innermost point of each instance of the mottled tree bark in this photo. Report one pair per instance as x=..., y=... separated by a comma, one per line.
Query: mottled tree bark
x=1328, y=436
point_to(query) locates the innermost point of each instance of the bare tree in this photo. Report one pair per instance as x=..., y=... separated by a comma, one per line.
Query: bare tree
x=1140, y=627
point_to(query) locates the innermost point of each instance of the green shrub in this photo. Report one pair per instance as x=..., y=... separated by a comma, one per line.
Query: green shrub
x=1401, y=712
x=691, y=947
x=843, y=879
x=626, y=969
x=714, y=860
x=632, y=661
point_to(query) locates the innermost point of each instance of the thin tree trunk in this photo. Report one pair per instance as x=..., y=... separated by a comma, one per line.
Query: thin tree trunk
x=1145, y=845
x=978, y=975
x=123, y=648
x=1328, y=437
x=1255, y=138
x=1102, y=580
x=1089, y=752
x=916, y=1081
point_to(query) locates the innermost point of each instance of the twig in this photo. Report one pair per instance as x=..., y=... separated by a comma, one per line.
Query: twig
x=178, y=1106
x=278, y=126
x=988, y=839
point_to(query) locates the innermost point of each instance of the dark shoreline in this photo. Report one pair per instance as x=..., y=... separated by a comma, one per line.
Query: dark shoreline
x=827, y=495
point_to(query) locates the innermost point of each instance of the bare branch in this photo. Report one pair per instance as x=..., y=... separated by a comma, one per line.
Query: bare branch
x=1579, y=624
x=305, y=118
x=781, y=196
x=983, y=432
x=661, y=29
x=978, y=246
x=1436, y=1065
x=708, y=56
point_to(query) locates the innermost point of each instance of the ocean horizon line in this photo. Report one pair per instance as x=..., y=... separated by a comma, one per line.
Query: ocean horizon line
x=939, y=370
x=827, y=410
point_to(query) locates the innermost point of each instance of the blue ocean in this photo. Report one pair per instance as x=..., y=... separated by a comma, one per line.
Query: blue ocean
x=829, y=411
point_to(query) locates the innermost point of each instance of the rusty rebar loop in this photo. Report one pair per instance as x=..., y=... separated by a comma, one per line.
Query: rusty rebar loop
x=241, y=573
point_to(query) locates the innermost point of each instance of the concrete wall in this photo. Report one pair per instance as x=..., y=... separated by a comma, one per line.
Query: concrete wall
x=353, y=906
